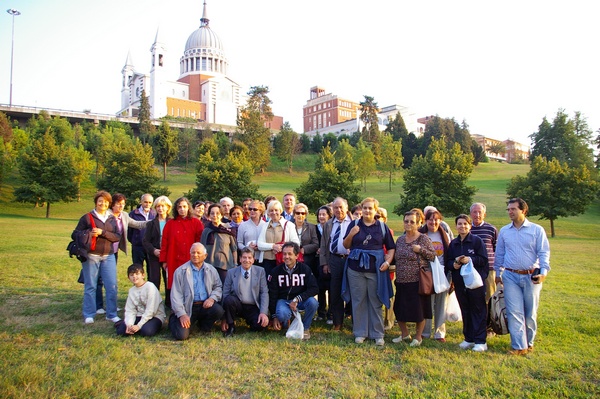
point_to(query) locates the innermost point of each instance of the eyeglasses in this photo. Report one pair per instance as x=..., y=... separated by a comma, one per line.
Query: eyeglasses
x=253, y=209
x=366, y=241
x=410, y=222
x=300, y=213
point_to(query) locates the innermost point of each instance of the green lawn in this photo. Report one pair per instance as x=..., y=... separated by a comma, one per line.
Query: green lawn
x=46, y=351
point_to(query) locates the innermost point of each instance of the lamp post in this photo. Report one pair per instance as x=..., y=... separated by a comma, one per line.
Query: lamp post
x=14, y=13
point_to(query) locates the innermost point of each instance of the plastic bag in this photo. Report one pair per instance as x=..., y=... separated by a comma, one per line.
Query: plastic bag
x=440, y=281
x=471, y=276
x=453, y=309
x=296, y=330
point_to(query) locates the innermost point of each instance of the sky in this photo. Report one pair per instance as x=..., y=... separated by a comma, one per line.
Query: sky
x=502, y=67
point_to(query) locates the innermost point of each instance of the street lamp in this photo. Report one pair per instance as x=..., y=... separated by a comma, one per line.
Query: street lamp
x=14, y=13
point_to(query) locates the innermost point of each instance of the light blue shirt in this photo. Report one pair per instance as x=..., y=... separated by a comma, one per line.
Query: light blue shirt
x=522, y=248
x=200, y=293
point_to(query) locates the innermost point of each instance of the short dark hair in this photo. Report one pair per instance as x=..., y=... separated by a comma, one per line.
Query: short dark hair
x=215, y=205
x=463, y=216
x=247, y=250
x=135, y=268
x=117, y=197
x=291, y=244
x=522, y=204
x=198, y=202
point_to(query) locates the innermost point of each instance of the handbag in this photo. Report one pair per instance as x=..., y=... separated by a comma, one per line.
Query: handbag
x=453, y=313
x=440, y=281
x=471, y=276
x=296, y=330
x=279, y=255
x=82, y=242
x=425, y=280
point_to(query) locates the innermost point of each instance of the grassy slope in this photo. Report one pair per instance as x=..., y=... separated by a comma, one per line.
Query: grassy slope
x=46, y=350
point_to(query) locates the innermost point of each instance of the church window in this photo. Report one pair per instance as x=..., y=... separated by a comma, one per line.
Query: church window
x=204, y=63
x=197, y=63
x=160, y=60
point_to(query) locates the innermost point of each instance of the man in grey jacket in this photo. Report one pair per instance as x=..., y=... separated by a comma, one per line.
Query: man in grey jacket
x=195, y=294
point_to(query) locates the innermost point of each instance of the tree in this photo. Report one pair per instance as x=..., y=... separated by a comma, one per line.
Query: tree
x=82, y=160
x=564, y=139
x=368, y=116
x=287, y=145
x=331, y=140
x=497, y=148
x=391, y=157
x=326, y=182
x=251, y=127
x=48, y=172
x=146, y=128
x=345, y=159
x=7, y=151
x=439, y=179
x=188, y=144
x=305, y=143
x=58, y=127
x=259, y=101
x=167, y=145
x=553, y=189
x=228, y=176
x=365, y=162
x=597, y=142
x=317, y=143
x=129, y=170
x=397, y=128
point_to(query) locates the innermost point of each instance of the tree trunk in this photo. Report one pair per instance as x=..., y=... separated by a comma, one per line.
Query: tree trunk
x=390, y=182
x=552, y=227
x=164, y=171
x=48, y=210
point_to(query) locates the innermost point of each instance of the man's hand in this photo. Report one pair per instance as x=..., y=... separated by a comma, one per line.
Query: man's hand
x=498, y=280
x=538, y=279
x=185, y=321
x=325, y=269
x=293, y=305
x=276, y=324
x=263, y=320
x=208, y=303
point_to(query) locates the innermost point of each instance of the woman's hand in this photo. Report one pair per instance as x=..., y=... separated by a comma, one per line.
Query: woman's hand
x=277, y=248
x=416, y=248
x=384, y=266
x=354, y=231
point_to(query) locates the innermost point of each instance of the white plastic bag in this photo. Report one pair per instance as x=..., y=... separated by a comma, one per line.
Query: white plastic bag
x=440, y=282
x=453, y=309
x=471, y=276
x=296, y=330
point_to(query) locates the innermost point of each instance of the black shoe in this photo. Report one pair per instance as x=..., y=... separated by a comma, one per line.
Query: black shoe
x=229, y=332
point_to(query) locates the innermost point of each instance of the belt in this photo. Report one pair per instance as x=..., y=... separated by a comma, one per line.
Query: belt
x=340, y=256
x=530, y=271
x=198, y=303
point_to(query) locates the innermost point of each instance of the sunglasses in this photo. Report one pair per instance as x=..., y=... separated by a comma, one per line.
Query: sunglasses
x=253, y=209
x=300, y=213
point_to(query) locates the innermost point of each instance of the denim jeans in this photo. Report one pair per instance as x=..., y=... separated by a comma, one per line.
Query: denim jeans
x=522, y=298
x=105, y=267
x=284, y=313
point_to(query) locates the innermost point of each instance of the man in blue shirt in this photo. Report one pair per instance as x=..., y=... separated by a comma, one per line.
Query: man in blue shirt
x=521, y=249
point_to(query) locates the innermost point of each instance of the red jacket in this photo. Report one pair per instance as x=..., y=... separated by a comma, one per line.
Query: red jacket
x=177, y=238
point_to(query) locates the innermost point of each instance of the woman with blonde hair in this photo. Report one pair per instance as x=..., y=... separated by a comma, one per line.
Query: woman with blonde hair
x=152, y=240
x=273, y=235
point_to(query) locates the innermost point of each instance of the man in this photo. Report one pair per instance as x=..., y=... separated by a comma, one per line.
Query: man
x=489, y=234
x=226, y=204
x=246, y=207
x=521, y=249
x=135, y=236
x=245, y=294
x=289, y=201
x=333, y=257
x=195, y=294
x=292, y=286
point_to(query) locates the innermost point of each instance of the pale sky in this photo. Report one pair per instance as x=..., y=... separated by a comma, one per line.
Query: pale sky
x=501, y=66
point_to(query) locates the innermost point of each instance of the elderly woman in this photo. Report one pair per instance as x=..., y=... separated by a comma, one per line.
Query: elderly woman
x=440, y=240
x=273, y=235
x=413, y=251
x=463, y=248
x=249, y=230
x=152, y=240
x=178, y=236
x=220, y=243
x=124, y=221
x=368, y=281
x=102, y=227
x=307, y=232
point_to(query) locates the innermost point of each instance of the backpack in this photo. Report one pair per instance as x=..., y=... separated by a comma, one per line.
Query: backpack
x=497, y=312
x=82, y=242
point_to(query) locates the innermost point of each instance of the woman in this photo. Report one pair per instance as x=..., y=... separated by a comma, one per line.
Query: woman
x=463, y=248
x=366, y=273
x=198, y=209
x=273, y=234
x=307, y=233
x=124, y=221
x=413, y=251
x=178, y=236
x=102, y=227
x=250, y=229
x=152, y=240
x=220, y=243
x=440, y=240
x=324, y=213
x=236, y=216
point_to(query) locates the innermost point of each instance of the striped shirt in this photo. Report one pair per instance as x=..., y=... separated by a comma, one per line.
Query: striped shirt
x=489, y=234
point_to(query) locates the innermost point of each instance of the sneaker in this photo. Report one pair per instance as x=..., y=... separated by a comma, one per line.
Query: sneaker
x=100, y=311
x=114, y=319
x=466, y=345
x=119, y=309
x=401, y=338
x=330, y=322
x=379, y=342
x=359, y=340
x=89, y=320
x=306, y=335
x=479, y=347
x=415, y=343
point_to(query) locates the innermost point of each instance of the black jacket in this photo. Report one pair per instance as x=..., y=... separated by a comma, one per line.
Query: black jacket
x=473, y=247
x=301, y=284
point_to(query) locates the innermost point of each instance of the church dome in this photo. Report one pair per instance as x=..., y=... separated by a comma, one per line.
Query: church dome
x=203, y=37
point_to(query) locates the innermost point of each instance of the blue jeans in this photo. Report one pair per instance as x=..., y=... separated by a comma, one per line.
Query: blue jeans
x=522, y=298
x=105, y=267
x=284, y=313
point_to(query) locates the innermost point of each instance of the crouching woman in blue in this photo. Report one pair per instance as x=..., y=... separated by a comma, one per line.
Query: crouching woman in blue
x=472, y=301
x=366, y=273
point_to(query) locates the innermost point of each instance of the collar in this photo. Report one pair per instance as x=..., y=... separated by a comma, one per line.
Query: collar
x=346, y=219
x=526, y=223
x=197, y=268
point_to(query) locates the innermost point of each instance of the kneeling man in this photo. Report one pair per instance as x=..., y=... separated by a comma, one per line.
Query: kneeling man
x=245, y=294
x=195, y=294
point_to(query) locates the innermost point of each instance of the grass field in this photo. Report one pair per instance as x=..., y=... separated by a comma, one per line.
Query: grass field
x=47, y=352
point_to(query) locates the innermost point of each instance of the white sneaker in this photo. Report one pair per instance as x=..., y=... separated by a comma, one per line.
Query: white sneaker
x=100, y=311
x=480, y=348
x=401, y=338
x=89, y=320
x=379, y=342
x=359, y=340
x=330, y=322
x=466, y=345
x=415, y=343
x=114, y=319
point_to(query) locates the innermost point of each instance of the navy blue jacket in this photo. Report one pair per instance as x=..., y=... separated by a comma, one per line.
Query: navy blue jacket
x=473, y=247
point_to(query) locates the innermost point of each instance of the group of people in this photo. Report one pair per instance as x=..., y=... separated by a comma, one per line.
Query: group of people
x=263, y=261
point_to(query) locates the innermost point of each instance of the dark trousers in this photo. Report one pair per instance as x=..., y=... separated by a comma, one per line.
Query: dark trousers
x=234, y=307
x=336, y=304
x=150, y=328
x=205, y=318
x=268, y=265
x=138, y=255
x=474, y=312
